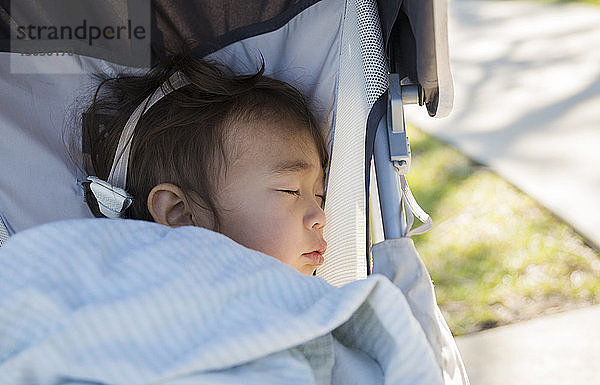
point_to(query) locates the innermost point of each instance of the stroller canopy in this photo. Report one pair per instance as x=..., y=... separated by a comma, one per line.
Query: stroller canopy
x=337, y=52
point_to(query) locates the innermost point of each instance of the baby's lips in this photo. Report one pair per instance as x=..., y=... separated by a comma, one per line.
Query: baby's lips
x=322, y=247
x=320, y=259
x=315, y=258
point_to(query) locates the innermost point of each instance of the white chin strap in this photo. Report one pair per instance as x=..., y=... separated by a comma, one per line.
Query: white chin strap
x=112, y=199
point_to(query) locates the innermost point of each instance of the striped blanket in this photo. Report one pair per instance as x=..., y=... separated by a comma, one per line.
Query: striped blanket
x=98, y=301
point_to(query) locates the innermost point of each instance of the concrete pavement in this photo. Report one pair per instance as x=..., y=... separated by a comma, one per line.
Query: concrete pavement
x=560, y=349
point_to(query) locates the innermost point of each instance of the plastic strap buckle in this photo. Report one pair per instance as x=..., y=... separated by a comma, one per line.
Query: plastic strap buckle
x=398, y=95
x=400, y=156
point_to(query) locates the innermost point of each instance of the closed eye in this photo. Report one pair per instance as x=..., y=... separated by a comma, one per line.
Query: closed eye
x=291, y=192
x=297, y=193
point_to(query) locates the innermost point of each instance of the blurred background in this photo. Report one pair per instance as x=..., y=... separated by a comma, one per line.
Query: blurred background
x=512, y=181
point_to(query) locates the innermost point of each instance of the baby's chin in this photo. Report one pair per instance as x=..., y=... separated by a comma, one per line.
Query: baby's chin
x=306, y=269
x=300, y=264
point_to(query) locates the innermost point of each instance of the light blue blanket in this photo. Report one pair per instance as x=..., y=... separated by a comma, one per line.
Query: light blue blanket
x=99, y=301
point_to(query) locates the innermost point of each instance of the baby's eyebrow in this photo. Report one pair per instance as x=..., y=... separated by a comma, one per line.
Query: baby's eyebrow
x=291, y=166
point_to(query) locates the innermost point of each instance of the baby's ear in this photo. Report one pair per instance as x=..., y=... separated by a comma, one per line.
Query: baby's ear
x=168, y=206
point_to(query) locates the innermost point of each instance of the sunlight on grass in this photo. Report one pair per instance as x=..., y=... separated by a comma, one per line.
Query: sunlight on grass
x=494, y=254
x=592, y=2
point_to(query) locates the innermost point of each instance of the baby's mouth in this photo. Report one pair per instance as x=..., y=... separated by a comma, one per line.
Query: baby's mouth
x=315, y=257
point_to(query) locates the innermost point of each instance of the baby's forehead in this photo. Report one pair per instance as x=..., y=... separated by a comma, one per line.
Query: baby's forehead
x=274, y=139
x=276, y=154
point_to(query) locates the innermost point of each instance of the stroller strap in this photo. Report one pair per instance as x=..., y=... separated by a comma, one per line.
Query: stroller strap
x=414, y=210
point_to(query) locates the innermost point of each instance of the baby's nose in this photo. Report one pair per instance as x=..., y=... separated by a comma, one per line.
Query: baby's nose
x=321, y=219
x=315, y=219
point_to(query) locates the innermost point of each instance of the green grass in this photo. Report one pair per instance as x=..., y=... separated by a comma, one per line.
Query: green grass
x=494, y=254
x=593, y=2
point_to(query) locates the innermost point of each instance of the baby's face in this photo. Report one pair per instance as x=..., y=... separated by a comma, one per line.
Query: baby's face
x=272, y=196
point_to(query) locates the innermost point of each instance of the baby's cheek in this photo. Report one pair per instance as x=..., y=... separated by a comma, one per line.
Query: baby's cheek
x=279, y=243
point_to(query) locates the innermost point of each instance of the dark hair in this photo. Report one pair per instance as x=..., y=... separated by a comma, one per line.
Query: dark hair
x=181, y=139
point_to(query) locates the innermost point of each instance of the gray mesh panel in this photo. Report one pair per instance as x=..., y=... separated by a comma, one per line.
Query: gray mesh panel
x=371, y=48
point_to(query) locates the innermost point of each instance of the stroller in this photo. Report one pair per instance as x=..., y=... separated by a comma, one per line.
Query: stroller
x=338, y=53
